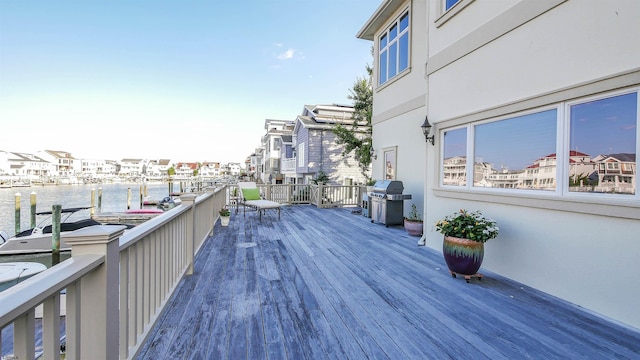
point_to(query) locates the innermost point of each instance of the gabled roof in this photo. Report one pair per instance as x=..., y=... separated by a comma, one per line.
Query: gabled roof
x=25, y=157
x=59, y=154
x=622, y=157
x=325, y=117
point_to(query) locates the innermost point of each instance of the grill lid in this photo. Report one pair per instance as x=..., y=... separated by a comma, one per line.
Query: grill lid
x=388, y=187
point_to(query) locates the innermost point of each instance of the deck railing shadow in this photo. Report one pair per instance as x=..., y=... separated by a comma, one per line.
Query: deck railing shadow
x=115, y=284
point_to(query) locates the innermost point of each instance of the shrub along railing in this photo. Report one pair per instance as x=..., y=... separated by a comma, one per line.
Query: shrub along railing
x=116, y=283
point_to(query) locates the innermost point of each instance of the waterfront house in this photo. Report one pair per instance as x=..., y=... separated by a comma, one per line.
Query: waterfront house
x=186, y=169
x=131, y=167
x=316, y=148
x=506, y=83
x=98, y=168
x=157, y=169
x=272, y=143
x=65, y=164
x=210, y=169
x=25, y=167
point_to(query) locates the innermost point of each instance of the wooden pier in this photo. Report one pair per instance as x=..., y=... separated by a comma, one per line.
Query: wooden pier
x=328, y=284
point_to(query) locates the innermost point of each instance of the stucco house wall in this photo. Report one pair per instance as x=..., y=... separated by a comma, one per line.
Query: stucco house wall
x=576, y=248
x=486, y=60
x=399, y=105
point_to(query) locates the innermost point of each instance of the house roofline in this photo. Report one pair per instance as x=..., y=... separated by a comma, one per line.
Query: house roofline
x=379, y=18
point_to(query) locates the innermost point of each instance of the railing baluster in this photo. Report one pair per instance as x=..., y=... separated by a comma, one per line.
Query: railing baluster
x=24, y=335
x=51, y=327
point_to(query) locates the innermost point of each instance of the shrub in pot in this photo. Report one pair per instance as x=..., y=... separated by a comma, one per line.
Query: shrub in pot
x=225, y=216
x=465, y=233
x=413, y=222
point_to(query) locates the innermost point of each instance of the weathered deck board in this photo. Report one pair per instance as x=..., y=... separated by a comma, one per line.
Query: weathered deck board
x=327, y=284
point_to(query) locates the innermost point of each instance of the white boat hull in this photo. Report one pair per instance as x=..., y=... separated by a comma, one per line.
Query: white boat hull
x=12, y=273
x=32, y=244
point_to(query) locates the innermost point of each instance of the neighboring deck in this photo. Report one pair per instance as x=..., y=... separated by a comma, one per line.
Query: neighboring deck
x=327, y=284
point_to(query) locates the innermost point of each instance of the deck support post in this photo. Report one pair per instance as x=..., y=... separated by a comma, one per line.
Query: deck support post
x=98, y=293
x=189, y=200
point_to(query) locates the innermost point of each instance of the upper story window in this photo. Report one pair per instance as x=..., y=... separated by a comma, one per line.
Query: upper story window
x=448, y=4
x=575, y=148
x=394, y=49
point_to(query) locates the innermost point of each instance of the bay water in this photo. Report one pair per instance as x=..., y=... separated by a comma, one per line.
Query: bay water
x=114, y=199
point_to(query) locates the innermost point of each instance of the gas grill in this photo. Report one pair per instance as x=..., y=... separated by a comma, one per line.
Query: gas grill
x=386, y=202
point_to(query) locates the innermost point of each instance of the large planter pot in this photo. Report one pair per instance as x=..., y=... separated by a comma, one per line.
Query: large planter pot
x=463, y=256
x=224, y=220
x=414, y=228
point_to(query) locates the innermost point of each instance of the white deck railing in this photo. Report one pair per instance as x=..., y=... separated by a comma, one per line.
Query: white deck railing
x=116, y=284
x=322, y=196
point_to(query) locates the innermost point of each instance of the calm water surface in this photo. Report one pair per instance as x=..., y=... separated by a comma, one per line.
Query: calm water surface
x=114, y=199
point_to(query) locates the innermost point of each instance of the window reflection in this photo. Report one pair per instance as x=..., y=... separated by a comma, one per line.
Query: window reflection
x=517, y=153
x=602, y=156
x=455, y=158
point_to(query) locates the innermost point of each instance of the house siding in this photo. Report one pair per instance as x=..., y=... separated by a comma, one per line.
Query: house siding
x=492, y=59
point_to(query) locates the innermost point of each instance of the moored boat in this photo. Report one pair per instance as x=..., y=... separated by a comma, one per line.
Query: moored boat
x=38, y=240
x=12, y=273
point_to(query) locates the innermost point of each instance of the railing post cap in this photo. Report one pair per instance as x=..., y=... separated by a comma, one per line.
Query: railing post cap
x=94, y=234
x=188, y=197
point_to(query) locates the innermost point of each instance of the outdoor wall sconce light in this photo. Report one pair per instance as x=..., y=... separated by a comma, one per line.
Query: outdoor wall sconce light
x=372, y=152
x=426, y=129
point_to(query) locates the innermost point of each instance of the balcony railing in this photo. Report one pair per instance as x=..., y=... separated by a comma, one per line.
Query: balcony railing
x=288, y=166
x=116, y=283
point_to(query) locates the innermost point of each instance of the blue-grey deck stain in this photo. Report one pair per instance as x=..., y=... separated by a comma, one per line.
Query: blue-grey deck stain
x=340, y=287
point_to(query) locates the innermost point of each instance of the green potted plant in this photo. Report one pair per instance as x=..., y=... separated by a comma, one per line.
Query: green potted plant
x=370, y=184
x=465, y=233
x=225, y=216
x=413, y=222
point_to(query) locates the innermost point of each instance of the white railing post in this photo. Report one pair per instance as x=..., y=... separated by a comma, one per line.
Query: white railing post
x=320, y=195
x=98, y=291
x=215, y=208
x=189, y=200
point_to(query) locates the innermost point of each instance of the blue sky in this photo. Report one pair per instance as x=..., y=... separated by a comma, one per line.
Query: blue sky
x=188, y=80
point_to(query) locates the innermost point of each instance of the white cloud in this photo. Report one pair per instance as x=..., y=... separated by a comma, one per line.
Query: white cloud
x=287, y=55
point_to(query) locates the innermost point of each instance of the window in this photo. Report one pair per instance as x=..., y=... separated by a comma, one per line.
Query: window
x=585, y=146
x=390, y=169
x=448, y=4
x=602, y=138
x=394, y=49
x=454, y=165
x=517, y=153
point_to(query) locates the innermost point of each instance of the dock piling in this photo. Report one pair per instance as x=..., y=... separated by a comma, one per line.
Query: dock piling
x=56, y=213
x=33, y=209
x=93, y=199
x=17, y=212
x=99, y=200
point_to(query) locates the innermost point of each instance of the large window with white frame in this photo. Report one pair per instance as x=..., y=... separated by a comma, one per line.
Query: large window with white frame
x=393, y=49
x=583, y=146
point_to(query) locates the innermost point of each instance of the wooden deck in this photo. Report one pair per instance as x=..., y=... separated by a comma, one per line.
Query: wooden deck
x=327, y=284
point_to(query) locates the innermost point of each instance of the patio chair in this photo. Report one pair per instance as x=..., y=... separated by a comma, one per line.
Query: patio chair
x=250, y=196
